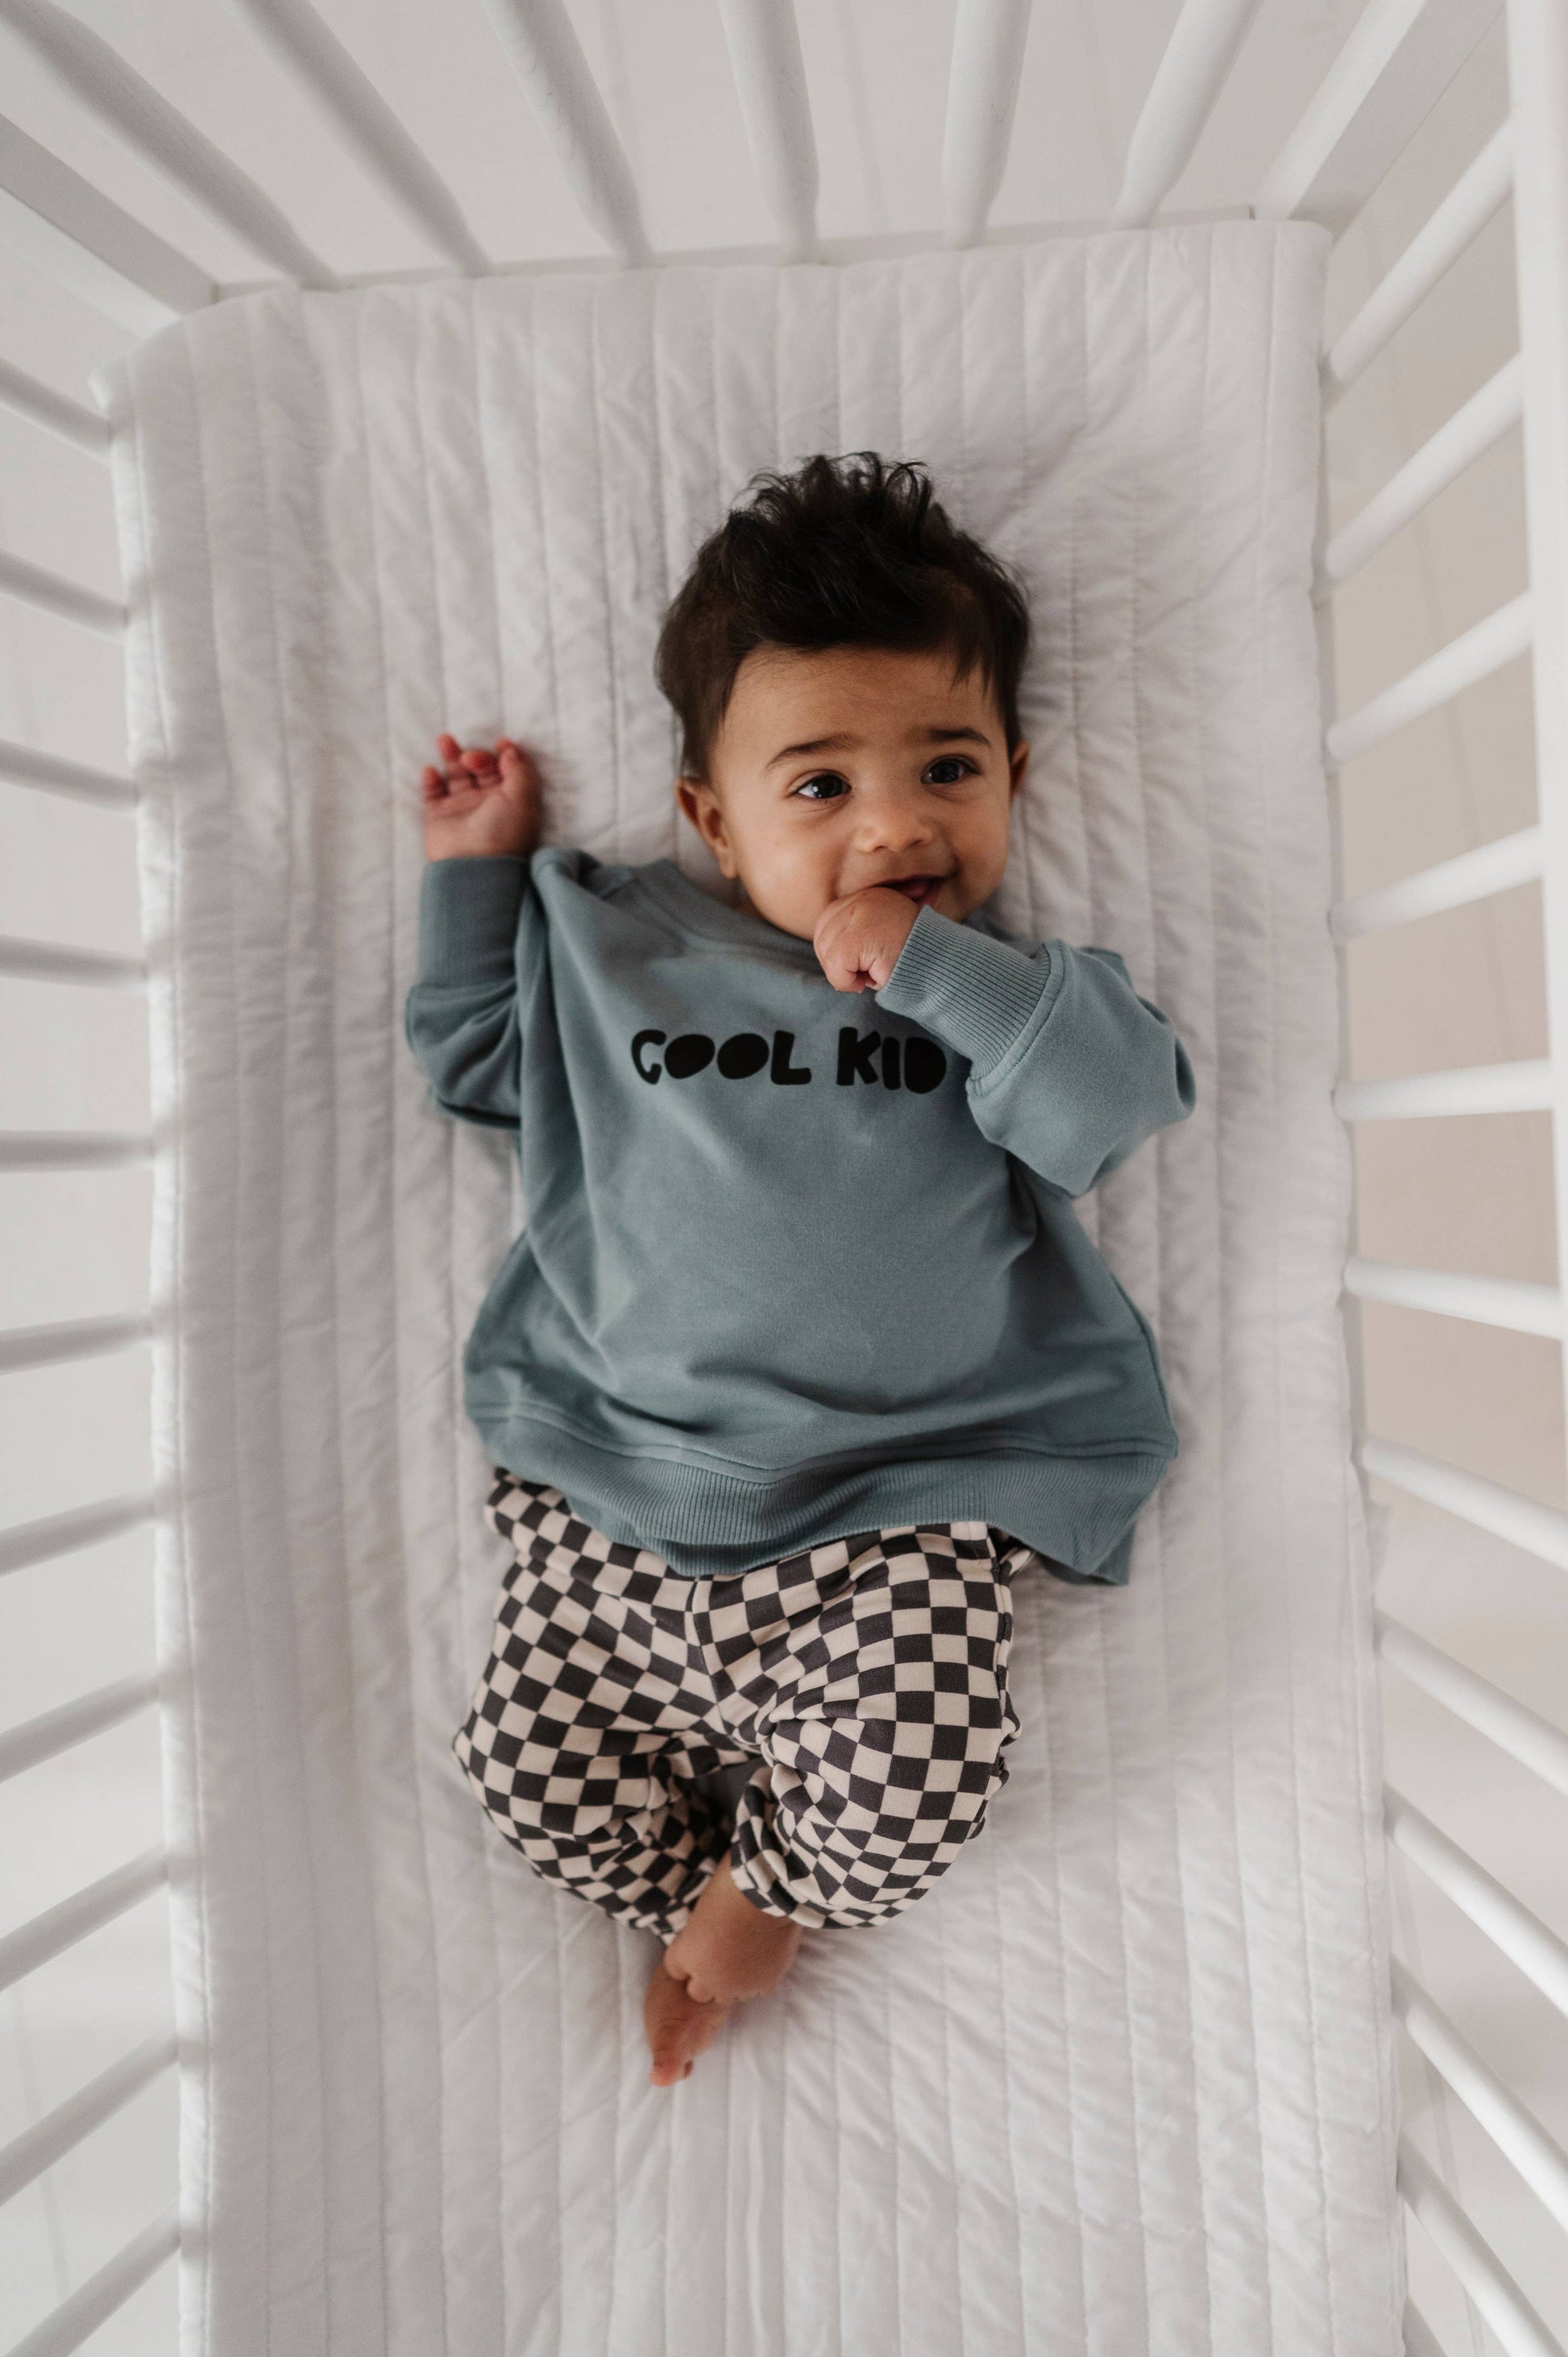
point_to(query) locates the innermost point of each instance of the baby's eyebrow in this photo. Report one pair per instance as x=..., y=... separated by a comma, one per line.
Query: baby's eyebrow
x=814, y=745
x=840, y=744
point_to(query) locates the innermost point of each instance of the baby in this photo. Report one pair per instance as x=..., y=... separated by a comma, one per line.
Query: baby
x=803, y=1352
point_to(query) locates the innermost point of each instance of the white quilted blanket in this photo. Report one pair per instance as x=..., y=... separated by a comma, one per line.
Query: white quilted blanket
x=1122, y=2083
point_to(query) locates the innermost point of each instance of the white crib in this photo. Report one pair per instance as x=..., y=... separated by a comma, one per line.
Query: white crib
x=1391, y=90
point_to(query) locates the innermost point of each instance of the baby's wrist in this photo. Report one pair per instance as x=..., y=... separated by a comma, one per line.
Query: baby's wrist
x=475, y=854
x=522, y=851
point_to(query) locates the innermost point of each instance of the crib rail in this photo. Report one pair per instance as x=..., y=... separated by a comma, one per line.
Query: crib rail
x=79, y=1526
x=135, y=111
x=1484, y=1300
x=62, y=224
x=54, y=1731
x=1453, y=884
x=1490, y=2286
x=41, y=405
x=1480, y=192
x=26, y=2158
x=1463, y=662
x=49, y=1934
x=29, y=765
x=109, y=2289
x=1398, y=60
x=1537, y=2156
x=1523, y=1087
x=1516, y=1933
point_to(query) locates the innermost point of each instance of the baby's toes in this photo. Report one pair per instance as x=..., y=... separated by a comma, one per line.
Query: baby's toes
x=677, y=2030
x=670, y=2064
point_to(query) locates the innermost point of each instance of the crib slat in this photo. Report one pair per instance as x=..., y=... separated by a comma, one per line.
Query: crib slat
x=1419, y=2340
x=24, y=961
x=30, y=585
x=1539, y=1530
x=77, y=1337
x=1494, y=2291
x=1537, y=86
x=1485, y=418
x=40, y=404
x=1476, y=875
x=547, y=57
x=1522, y=1733
x=110, y=2289
x=70, y=1149
x=1398, y=59
x=54, y=1731
x=144, y=120
x=1474, y=655
x=1479, y=192
x=1511, y=2126
x=49, y=1935
x=1504, y=1920
x=771, y=81
x=1484, y=1300
x=27, y=2156
x=1202, y=49
x=24, y=764
x=988, y=42
x=59, y=223
x=79, y=1526
x=313, y=56
x=1419, y=1096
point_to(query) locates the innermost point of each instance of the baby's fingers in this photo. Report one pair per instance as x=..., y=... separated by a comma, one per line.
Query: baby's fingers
x=460, y=767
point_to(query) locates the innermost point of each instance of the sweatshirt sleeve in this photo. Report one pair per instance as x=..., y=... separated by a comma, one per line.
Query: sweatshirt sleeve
x=461, y=1017
x=1069, y=1068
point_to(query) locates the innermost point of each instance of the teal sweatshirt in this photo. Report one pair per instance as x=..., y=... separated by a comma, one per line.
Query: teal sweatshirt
x=799, y=1263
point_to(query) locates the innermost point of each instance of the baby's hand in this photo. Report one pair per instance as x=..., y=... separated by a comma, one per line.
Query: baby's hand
x=858, y=938
x=480, y=804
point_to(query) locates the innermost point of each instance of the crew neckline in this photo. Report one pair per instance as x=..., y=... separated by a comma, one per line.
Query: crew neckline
x=701, y=912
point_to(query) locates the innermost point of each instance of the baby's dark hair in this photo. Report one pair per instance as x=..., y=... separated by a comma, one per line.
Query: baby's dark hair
x=845, y=552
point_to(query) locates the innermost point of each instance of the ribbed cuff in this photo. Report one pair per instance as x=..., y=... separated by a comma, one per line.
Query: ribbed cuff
x=976, y=993
x=468, y=910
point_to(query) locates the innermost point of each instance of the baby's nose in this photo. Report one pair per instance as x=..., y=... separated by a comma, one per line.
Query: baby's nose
x=896, y=830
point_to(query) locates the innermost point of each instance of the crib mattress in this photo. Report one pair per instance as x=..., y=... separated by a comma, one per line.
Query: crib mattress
x=1123, y=2082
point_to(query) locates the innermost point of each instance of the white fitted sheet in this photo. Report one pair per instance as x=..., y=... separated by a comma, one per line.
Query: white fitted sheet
x=1123, y=2082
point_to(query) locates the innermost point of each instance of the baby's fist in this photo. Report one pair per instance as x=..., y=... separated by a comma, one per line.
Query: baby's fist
x=480, y=804
x=858, y=939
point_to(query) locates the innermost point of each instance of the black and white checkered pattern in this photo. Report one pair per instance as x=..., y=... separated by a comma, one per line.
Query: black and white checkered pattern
x=865, y=1677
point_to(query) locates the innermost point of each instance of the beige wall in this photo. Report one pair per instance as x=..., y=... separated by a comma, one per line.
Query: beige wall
x=1468, y=1195
x=1464, y=988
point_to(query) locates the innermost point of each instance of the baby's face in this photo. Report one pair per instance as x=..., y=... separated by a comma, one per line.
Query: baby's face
x=857, y=765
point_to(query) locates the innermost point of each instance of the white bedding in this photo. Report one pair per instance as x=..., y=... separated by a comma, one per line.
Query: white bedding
x=1123, y=2082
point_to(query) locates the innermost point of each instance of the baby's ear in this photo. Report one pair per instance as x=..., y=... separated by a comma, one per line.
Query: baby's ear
x=694, y=800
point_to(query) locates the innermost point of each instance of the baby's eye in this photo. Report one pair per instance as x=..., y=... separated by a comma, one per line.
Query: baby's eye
x=956, y=764
x=824, y=778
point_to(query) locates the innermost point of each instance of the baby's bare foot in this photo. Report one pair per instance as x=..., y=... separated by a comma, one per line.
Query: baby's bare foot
x=677, y=2028
x=728, y=1950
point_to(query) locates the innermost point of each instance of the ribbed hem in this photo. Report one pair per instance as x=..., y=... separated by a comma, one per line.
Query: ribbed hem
x=468, y=910
x=975, y=994
x=1075, y=1511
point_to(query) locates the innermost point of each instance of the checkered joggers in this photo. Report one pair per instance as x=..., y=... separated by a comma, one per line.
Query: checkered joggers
x=865, y=1677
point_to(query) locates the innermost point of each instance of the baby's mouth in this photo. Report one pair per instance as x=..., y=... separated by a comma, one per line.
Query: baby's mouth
x=918, y=888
